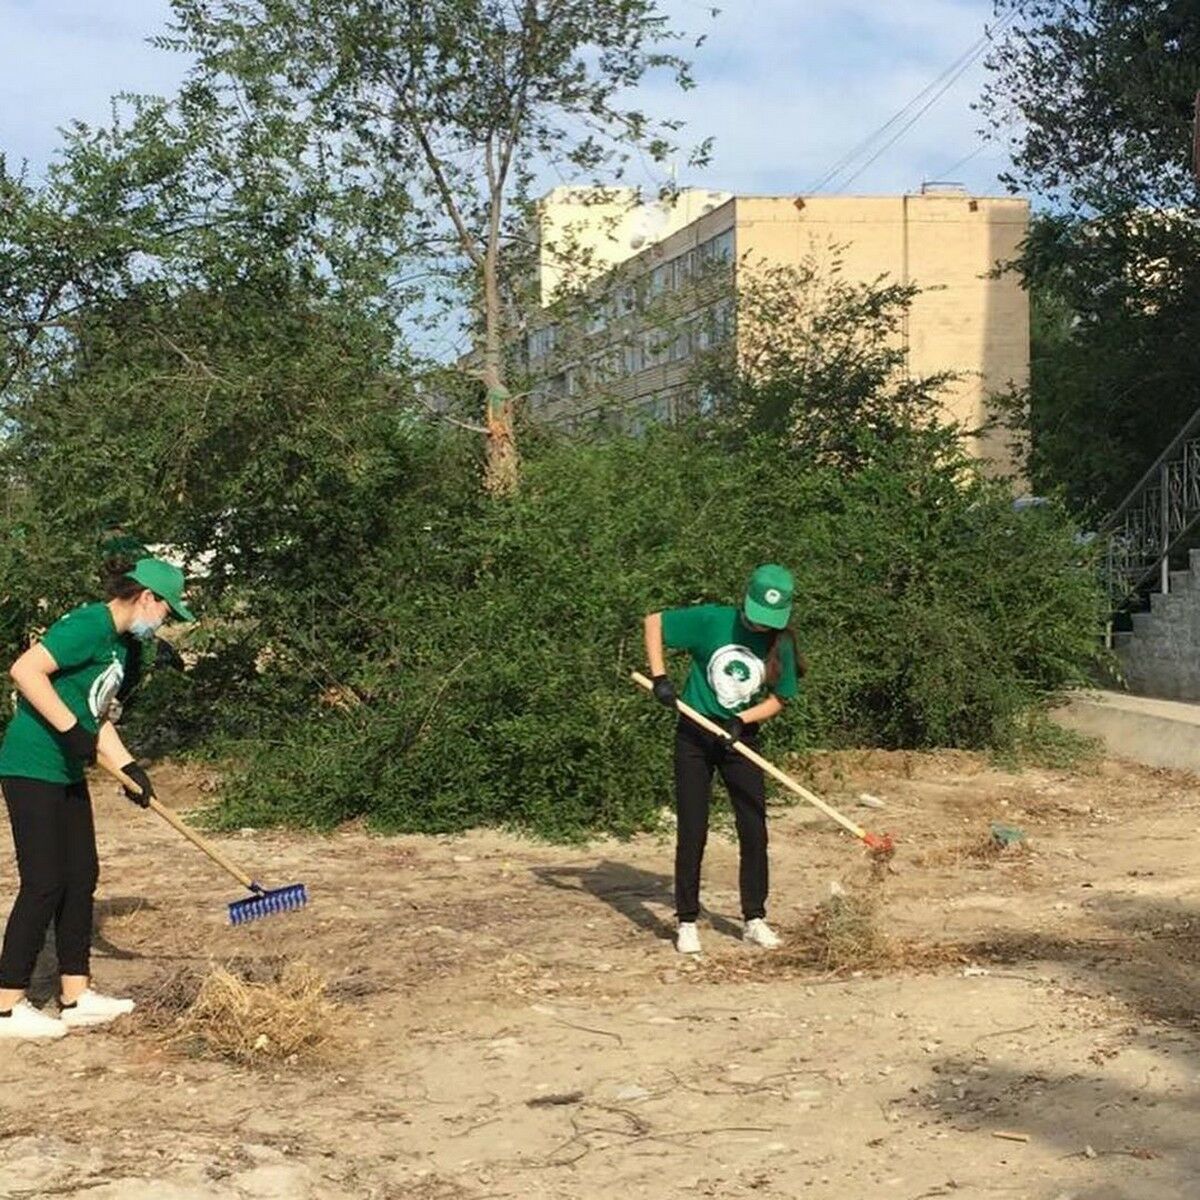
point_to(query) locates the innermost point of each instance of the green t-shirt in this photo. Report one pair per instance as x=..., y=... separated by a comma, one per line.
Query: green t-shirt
x=729, y=660
x=91, y=665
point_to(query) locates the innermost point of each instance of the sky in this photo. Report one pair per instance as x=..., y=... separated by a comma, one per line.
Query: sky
x=785, y=87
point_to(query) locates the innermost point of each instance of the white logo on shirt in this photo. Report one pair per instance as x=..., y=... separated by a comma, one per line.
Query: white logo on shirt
x=104, y=689
x=735, y=674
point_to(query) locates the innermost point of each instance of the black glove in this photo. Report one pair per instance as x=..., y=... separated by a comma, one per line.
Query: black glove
x=142, y=798
x=165, y=655
x=79, y=743
x=664, y=690
x=735, y=729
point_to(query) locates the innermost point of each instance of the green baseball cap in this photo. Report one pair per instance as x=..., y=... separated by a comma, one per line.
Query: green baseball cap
x=165, y=581
x=769, y=596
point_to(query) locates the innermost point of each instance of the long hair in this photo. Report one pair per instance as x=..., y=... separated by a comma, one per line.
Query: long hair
x=775, y=656
x=114, y=578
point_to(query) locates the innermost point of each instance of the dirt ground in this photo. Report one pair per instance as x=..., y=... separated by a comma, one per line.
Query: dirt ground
x=515, y=1022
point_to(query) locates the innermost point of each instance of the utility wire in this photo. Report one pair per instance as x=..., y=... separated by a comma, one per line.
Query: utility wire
x=992, y=143
x=930, y=94
x=946, y=172
x=920, y=112
x=868, y=142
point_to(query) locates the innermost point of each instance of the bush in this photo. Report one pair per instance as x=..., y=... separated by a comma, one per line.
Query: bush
x=494, y=688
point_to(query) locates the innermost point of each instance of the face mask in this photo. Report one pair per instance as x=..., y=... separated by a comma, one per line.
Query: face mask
x=141, y=628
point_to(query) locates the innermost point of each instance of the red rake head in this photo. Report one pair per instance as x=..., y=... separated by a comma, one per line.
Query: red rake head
x=882, y=846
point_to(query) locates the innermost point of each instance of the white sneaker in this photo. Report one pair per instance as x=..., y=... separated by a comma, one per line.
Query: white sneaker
x=25, y=1021
x=687, y=938
x=759, y=933
x=93, y=1009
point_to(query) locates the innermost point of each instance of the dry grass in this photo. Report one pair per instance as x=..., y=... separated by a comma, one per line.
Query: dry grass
x=848, y=932
x=162, y=1003
x=242, y=1014
x=982, y=850
x=248, y=1022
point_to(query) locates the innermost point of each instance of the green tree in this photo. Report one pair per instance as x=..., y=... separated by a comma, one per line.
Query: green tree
x=198, y=345
x=1095, y=102
x=820, y=365
x=452, y=107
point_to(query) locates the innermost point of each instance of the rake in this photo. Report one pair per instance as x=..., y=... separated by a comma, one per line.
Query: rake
x=264, y=902
x=881, y=846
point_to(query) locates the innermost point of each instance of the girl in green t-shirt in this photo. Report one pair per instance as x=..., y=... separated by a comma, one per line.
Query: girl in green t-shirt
x=744, y=668
x=67, y=683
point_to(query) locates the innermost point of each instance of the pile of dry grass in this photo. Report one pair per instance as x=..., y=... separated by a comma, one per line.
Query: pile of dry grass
x=242, y=1015
x=248, y=1022
x=848, y=932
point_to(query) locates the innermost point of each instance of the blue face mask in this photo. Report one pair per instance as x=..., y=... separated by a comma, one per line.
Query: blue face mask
x=141, y=628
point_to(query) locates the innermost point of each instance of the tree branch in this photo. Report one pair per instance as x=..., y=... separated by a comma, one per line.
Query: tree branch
x=467, y=425
x=410, y=109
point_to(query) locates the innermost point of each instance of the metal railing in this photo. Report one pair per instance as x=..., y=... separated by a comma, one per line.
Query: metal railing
x=1154, y=519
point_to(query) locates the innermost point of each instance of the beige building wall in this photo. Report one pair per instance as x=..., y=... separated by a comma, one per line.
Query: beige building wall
x=967, y=320
x=964, y=321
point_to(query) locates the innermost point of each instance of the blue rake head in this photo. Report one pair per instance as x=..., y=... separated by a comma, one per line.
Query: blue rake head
x=266, y=903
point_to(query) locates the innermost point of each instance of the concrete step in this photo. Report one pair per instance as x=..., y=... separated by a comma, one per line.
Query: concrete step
x=1194, y=561
x=1165, y=605
x=1182, y=581
x=1145, y=624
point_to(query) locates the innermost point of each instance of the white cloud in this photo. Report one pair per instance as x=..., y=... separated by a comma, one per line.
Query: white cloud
x=785, y=86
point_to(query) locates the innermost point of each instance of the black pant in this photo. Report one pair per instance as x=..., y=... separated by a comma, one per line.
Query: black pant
x=697, y=755
x=56, y=857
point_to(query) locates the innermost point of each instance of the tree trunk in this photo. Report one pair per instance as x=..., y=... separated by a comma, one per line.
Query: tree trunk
x=501, y=473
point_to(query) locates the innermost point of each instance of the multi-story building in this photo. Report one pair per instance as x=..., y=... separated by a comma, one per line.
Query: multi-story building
x=654, y=288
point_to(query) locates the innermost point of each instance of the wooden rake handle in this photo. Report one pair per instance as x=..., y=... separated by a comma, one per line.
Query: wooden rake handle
x=178, y=825
x=781, y=776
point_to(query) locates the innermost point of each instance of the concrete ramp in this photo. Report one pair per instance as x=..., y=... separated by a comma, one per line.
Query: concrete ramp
x=1159, y=733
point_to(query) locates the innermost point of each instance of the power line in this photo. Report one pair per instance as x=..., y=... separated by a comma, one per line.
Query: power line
x=867, y=142
x=992, y=144
x=921, y=111
x=934, y=91
x=946, y=172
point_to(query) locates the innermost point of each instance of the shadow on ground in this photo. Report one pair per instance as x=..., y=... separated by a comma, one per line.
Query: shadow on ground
x=628, y=890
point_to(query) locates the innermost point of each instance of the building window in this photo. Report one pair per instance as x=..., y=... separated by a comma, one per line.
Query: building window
x=632, y=353
x=656, y=347
x=542, y=342
x=681, y=347
x=722, y=321
x=718, y=249
x=654, y=411
x=597, y=318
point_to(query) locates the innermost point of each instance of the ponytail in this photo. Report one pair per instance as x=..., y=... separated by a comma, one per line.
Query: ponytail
x=114, y=575
x=121, y=553
x=775, y=656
